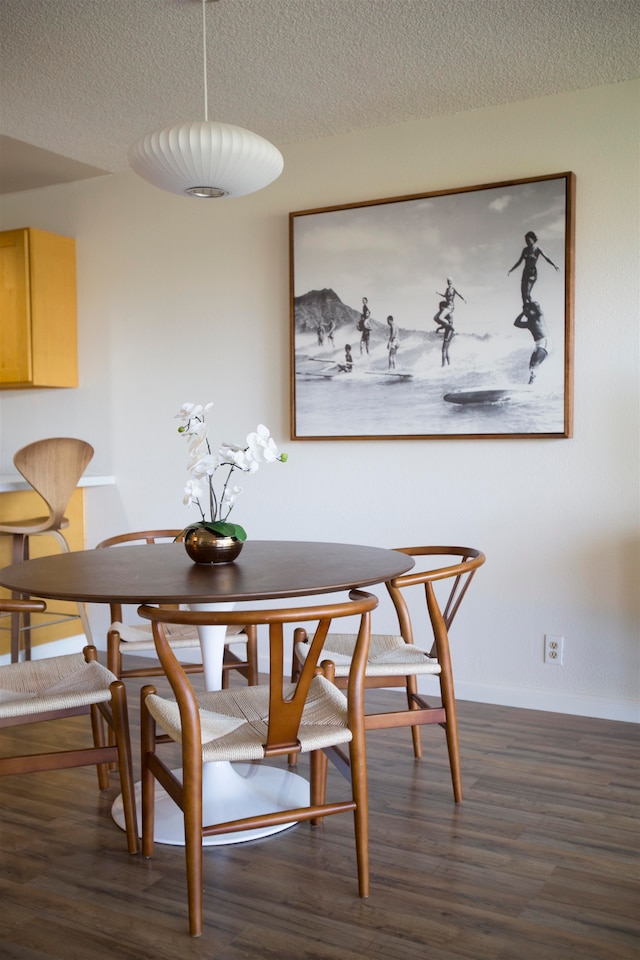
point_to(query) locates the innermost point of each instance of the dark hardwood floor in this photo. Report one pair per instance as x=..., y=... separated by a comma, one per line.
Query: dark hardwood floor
x=540, y=862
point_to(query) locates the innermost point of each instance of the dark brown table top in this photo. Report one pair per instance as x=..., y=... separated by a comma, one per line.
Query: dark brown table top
x=163, y=573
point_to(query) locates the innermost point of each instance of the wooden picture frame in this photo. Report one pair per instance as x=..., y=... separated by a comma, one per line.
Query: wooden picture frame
x=456, y=307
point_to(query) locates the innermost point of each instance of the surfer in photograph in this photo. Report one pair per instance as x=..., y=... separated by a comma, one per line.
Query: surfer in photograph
x=392, y=343
x=444, y=319
x=450, y=295
x=529, y=257
x=364, y=326
x=347, y=366
x=331, y=329
x=364, y=313
x=531, y=319
x=320, y=332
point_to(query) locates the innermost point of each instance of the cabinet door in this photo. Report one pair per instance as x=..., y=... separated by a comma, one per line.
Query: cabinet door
x=15, y=313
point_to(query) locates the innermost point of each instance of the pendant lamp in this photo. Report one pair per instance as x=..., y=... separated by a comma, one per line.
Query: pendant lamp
x=205, y=158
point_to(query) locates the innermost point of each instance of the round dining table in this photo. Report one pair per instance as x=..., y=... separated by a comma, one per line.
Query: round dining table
x=163, y=573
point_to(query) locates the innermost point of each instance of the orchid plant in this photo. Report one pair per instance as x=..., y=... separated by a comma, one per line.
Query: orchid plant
x=203, y=465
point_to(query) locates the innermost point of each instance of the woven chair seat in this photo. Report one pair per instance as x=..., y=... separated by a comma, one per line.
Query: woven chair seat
x=389, y=655
x=55, y=683
x=140, y=636
x=234, y=722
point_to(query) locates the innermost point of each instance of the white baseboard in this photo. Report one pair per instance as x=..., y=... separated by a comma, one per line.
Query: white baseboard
x=551, y=701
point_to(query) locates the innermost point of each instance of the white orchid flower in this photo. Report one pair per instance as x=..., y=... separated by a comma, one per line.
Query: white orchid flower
x=231, y=447
x=230, y=495
x=202, y=464
x=188, y=410
x=196, y=430
x=262, y=446
x=233, y=455
x=192, y=492
x=197, y=443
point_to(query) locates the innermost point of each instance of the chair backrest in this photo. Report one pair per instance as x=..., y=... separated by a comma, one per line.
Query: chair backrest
x=285, y=705
x=138, y=537
x=53, y=468
x=455, y=564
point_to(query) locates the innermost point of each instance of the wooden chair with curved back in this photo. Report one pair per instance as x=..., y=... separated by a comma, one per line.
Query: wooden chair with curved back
x=396, y=661
x=54, y=688
x=255, y=723
x=53, y=468
x=128, y=640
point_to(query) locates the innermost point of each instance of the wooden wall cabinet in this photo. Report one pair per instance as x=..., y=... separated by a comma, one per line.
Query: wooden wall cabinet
x=38, y=310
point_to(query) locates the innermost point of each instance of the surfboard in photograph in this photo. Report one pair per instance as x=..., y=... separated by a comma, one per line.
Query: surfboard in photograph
x=488, y=396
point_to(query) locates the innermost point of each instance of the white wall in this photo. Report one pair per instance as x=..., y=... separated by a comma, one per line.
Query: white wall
x=181, y=300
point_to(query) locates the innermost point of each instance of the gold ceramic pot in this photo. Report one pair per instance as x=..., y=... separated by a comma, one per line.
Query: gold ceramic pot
x=204, y=546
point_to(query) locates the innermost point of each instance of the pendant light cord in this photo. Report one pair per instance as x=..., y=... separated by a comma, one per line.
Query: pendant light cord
x=205, y=159
x=204, y=60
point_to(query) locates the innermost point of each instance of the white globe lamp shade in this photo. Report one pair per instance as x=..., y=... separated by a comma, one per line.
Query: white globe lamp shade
x=206, y=159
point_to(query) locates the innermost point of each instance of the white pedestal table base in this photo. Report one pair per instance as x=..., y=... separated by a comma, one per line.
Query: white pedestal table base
x=230, y=792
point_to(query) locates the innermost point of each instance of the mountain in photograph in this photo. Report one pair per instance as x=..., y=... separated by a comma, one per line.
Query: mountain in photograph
x=318, y=305
x=323, y=305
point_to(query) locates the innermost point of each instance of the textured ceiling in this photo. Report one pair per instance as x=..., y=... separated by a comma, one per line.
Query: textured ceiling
x=84, y=78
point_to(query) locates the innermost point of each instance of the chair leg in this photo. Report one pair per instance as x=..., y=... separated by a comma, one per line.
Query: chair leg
x=412, y=691
x=147, y=747
x=120, y=719
x=114, y=664
x=252, y=654
x=99, y=741
x=319, y=764
x=451, y=731
x=16, y=621
x=20, y=552
x=247, y=667
x=192, y=809
x=357, y=753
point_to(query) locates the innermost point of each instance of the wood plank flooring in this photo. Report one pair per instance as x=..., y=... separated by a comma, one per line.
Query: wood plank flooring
x=539, y=862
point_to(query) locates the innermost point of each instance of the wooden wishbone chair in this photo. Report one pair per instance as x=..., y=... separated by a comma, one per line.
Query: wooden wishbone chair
x=444, y=574
x=126, y=639
x=54, y=688
x=310, y=715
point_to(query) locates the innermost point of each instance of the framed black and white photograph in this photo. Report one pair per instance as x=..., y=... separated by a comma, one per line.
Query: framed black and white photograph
x=440, y=315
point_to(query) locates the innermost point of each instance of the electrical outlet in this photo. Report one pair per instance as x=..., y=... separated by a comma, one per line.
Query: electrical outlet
x=553, y=649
